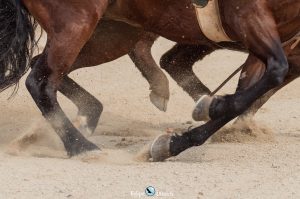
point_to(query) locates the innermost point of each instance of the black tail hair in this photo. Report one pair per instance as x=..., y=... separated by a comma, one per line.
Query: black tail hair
x=17, y=42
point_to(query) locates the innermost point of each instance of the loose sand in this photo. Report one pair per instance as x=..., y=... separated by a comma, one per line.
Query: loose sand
x=242, y=162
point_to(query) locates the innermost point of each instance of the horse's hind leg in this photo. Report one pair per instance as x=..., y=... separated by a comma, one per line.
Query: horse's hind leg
x=65, y=41
x=159, y=84
x=43, y=90
x=179, y=61
x=89, y=108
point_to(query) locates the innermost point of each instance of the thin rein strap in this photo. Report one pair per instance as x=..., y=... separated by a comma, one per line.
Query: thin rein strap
x=295, y=39
x=226, y=80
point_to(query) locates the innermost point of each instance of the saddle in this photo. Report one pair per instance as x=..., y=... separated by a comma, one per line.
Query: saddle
x=209, y=19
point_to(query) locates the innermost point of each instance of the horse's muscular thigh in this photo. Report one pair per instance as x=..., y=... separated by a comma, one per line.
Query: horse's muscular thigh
x=56, y=15
x=69, y=25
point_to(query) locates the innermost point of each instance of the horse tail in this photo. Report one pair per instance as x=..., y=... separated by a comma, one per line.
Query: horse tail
x=17, y=42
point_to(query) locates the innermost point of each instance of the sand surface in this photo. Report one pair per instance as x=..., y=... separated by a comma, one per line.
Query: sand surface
x=250, y=167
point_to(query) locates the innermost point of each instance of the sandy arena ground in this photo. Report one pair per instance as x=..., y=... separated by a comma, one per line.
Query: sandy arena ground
x=264, y=164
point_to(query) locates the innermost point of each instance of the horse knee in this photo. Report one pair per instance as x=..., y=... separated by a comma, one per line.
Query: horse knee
x=278, y=70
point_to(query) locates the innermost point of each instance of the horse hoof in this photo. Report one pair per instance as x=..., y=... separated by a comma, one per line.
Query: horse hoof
x=160, y=102
x=201, y=110
x=160, y=148
x=82, y=147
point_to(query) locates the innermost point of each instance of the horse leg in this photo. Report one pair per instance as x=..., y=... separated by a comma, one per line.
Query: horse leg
x=43, y=91
x=89, y=108
x=166, y=145
x=142, y=58
x=248, y=78
x=263, y=41
x=120, y=35
x=270, y=52
x=179, y=61
x=65, y=41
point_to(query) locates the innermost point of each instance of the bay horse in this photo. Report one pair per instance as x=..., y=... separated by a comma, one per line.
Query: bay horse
x=70, y=24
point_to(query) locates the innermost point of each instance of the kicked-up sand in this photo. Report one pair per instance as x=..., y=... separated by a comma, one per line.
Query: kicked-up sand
x=256, y=159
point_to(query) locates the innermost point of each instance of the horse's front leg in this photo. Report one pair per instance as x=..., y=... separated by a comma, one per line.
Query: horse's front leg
x=67, y=35
x=166, y=145
x=250, y=75
x=263, y=41
x=142, y=58
x=254, y=25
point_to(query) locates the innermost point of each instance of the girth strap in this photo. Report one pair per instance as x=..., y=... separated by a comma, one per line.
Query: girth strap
x=209, y=20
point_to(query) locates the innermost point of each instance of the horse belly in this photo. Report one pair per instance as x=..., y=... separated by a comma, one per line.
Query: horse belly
x=111, y=40
x=176, y=20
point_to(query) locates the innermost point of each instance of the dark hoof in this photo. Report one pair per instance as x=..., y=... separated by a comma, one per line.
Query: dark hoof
x=201, y=111
x=80, y=148
x=160, y=148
